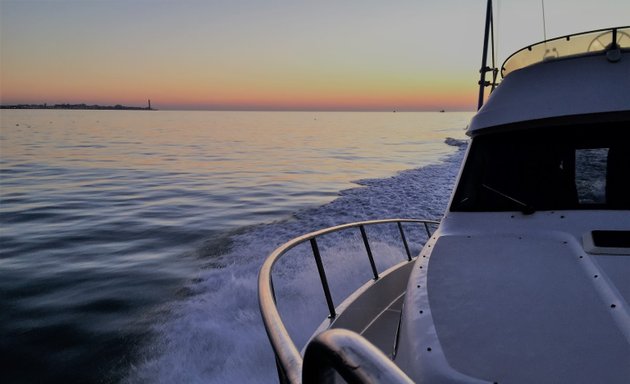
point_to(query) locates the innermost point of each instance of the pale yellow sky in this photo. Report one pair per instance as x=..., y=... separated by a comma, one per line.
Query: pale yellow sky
x=277, y=54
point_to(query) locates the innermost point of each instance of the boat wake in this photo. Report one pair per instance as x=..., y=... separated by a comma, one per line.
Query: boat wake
x=456, y=142
x=215, y=333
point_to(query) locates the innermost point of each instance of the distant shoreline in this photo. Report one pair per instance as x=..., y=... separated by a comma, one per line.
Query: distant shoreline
x=148, y=108
x=116, y=107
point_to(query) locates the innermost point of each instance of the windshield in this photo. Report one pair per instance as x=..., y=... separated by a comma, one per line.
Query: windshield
x=547, y=168
x=588, y=42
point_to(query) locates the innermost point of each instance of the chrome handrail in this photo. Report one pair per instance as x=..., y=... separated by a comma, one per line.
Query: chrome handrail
x=288, y=357
x=351, y=356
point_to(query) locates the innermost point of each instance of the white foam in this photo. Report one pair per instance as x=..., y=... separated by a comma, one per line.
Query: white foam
x=215, y=335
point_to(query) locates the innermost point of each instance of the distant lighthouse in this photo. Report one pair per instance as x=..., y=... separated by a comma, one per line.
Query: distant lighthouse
x=149, y=102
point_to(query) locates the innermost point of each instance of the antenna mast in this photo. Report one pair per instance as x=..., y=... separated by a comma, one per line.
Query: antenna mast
x=484, y=67
x=544, y=21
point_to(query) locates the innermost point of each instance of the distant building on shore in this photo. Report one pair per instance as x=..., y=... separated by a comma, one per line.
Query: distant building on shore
x=79, y=107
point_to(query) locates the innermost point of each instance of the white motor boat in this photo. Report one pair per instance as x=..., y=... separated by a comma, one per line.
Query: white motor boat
x=527, y=277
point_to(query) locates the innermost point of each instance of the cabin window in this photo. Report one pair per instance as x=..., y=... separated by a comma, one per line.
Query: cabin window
x=547, y=169
x=590, y=175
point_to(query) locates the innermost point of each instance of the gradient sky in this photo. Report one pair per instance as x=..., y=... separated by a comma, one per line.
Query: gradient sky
x=269, y=54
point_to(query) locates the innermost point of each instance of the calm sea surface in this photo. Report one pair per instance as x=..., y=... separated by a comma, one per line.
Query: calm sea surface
x=130, y=241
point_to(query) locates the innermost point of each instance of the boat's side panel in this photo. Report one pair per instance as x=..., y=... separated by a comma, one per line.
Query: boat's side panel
x=374, y=310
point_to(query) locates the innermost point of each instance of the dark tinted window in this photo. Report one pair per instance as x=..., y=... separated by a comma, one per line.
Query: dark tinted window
x=547, y=169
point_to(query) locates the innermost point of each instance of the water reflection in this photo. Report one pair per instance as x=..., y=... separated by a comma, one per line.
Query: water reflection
x=102, y=211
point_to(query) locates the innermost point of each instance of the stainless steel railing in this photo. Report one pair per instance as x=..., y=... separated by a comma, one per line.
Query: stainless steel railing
x=356, y=360
x=288, y=358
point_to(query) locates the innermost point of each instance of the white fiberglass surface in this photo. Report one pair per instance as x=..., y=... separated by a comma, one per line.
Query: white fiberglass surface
x=500, y=293
x=558, y=88
x=510, y=303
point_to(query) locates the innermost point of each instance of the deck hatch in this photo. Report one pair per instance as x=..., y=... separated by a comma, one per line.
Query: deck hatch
x=611, y=239
x=607, y=242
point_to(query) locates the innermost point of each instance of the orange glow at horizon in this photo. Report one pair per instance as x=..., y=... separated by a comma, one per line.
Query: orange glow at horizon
x=250, y=91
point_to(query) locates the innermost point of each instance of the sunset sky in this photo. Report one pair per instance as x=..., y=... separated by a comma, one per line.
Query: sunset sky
x=274, y=54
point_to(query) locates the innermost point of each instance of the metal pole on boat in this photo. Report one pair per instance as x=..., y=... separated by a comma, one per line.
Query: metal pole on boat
x=404, y=240
x=484, y=57
x=369, y=251
x=322, y=276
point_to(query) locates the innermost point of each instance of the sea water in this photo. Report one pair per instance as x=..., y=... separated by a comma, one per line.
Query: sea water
x=130, y=241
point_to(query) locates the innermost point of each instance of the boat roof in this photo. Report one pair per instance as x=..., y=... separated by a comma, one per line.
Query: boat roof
x=585, y=43
x=576, y=75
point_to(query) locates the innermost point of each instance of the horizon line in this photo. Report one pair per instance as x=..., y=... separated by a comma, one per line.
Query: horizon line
x=243, y=108
x=433, y=110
